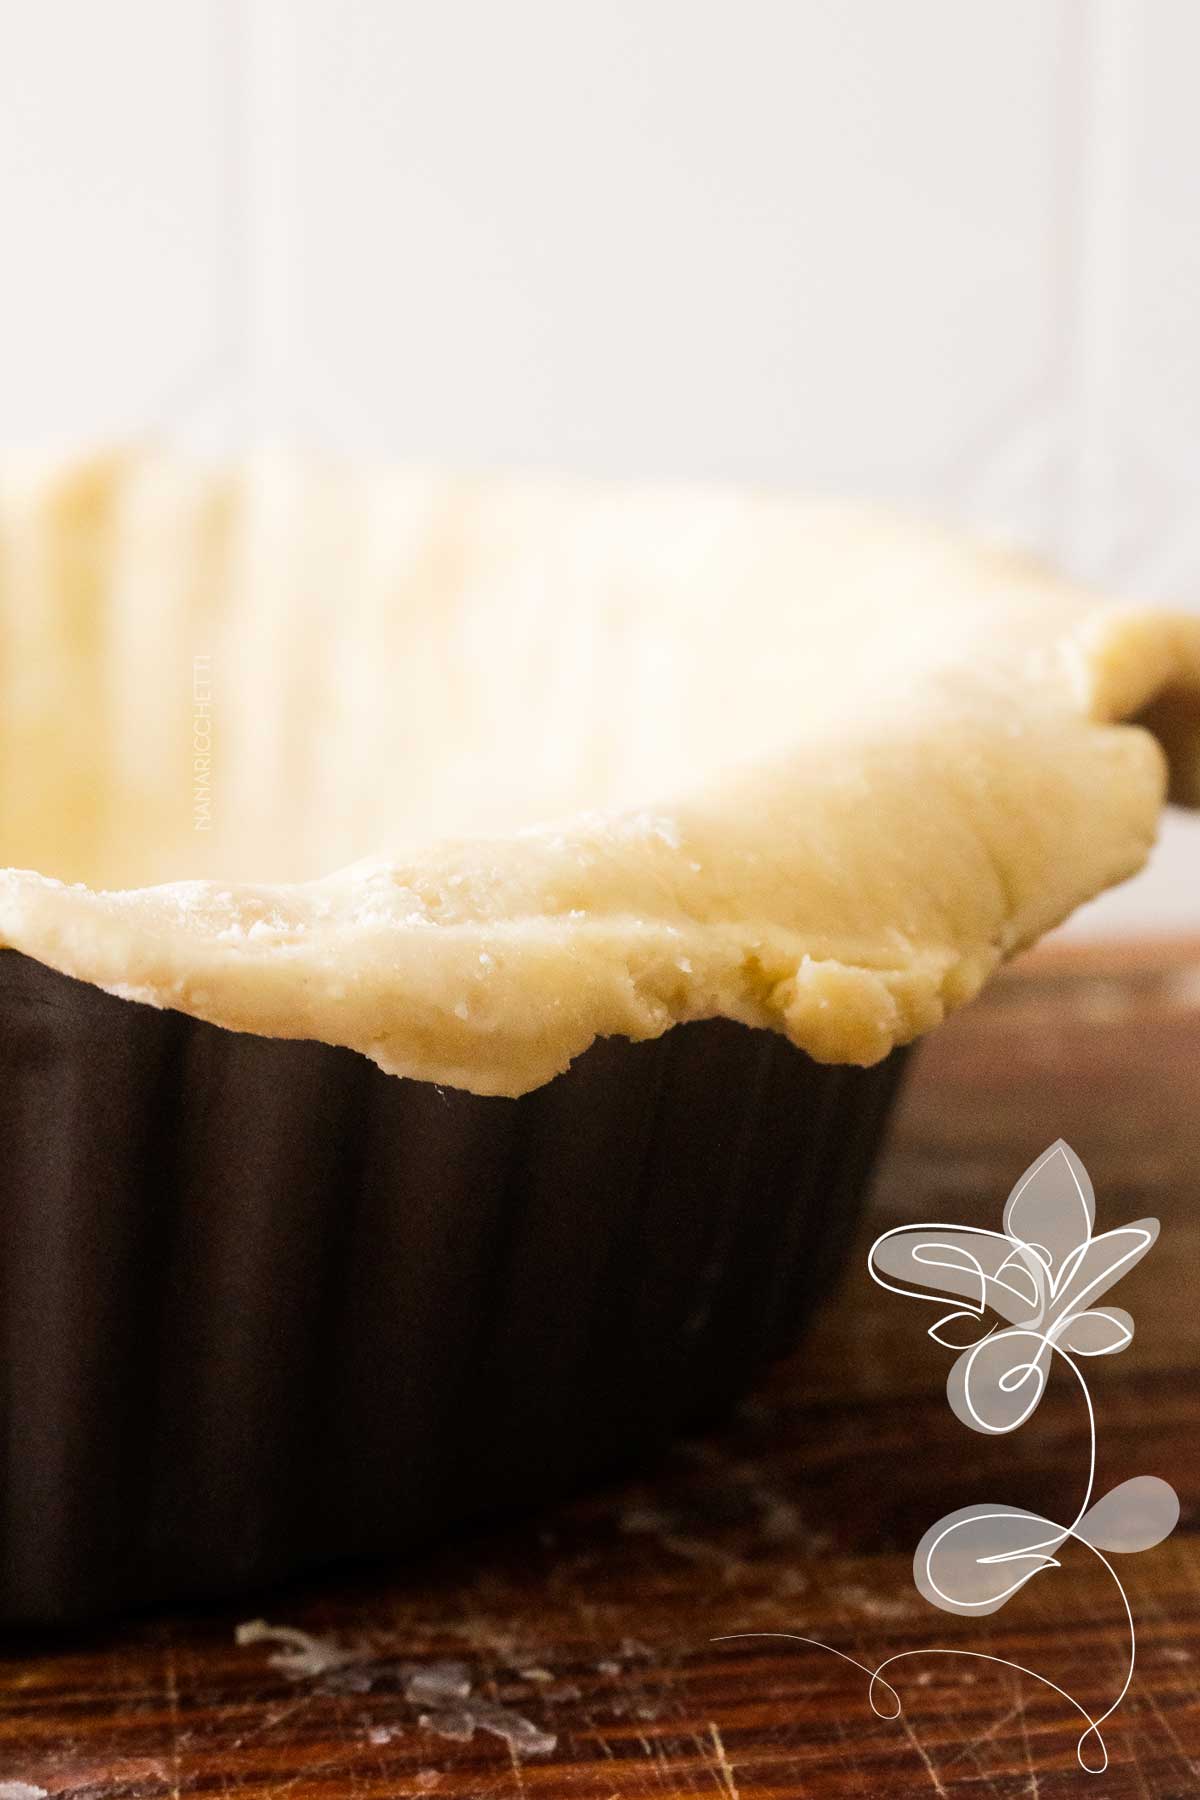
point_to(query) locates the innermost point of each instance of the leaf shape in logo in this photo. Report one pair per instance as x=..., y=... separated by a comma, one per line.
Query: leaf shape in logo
x=1136, y=1515
x=973, y=1332
x=994, y=1386
x=1020, y=1286
x=1091, y=1269
x=938, y=1262
x=1052, y=1207
x=1100, y=1332
x=975, y=1559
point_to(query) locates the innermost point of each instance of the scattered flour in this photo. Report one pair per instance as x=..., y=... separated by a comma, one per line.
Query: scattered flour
x=442, y=1689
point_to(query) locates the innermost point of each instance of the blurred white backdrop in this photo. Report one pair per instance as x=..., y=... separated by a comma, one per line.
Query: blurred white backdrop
x=945, y=252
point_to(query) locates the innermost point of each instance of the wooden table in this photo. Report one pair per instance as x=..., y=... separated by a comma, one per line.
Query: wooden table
x=593, y=1626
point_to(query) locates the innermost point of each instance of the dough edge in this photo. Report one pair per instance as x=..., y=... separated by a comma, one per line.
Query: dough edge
x=492, y=963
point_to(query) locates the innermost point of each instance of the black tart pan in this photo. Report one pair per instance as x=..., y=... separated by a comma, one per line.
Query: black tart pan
x=264, y=1308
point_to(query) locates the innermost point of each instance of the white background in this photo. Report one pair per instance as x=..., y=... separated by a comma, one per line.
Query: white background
x=941, y=251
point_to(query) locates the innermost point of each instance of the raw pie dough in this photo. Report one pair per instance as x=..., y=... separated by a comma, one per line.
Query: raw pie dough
x=585, y=760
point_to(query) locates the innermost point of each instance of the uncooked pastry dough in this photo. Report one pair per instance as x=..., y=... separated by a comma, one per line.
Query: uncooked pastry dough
x=586, y=760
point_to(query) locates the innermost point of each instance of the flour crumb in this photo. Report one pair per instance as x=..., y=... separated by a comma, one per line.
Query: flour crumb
x=460, y=1723
x=458, y=1726
x=521, y=1734
x=437, y=1683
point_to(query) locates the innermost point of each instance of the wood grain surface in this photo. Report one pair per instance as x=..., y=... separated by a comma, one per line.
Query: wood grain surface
x=573, y=1654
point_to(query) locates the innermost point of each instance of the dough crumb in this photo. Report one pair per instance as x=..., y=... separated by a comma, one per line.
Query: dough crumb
x=302, y=1655
x=446, y=1688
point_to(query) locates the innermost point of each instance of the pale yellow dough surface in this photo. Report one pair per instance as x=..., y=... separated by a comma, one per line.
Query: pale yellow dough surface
x=584, y=760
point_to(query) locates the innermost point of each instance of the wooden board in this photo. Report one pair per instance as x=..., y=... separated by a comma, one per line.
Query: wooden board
x=594, y=1625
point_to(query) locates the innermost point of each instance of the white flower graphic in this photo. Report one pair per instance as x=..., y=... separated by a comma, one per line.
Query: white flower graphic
x=1022, y=1296
x=1041, y=1273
